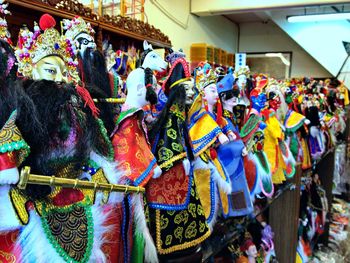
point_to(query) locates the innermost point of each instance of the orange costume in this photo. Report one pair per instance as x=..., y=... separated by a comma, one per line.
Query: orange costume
x=132, y=150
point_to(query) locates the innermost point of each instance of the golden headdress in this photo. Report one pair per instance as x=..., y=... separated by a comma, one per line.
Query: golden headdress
x=272, y=88
x=244, y=70
x=32, y=47
x=4, y=33
x=77, y=26
x=205, y=79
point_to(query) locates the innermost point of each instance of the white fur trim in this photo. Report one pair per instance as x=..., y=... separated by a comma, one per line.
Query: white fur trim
x=35, y=247
x=142, y=229
x=314, y=131
x=290, y=158
x=221, y=183
x=199, y=164
x=8, y=217
x=9, y=176
x=109, y=168
x=112, y=174
x=100, y=229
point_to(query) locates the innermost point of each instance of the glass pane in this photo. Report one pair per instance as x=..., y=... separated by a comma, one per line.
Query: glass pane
x=276, y=65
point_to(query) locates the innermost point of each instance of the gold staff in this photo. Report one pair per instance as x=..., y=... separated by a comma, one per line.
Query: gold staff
x=110, y=100
x=27, y=178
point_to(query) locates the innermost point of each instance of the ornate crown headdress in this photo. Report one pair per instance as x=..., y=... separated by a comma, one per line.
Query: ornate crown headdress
x=244, y=70
x=77, y=26
x=205, y=79
x=32, y=47
x=4, y=33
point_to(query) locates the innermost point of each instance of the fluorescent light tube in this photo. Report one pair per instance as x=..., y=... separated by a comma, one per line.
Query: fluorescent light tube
x=320, y=17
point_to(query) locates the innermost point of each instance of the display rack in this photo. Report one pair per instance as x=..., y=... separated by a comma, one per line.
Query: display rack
x=122, y=28
x=218, y=241
x=283, y=214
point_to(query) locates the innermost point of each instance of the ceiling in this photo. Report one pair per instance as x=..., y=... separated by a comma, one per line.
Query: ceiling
x=262, y=16
x=247, y=17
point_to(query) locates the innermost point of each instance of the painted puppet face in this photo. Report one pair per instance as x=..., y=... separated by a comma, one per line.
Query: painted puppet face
x=252, y=251
x=211, y=94
x=85, y=41
x=242, y=81
x=230, y=103
x=259, y=101
x=51, y=68
x=189, y=92
x=275, y=103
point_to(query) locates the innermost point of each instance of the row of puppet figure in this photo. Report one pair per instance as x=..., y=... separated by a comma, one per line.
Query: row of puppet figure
x=189, y=152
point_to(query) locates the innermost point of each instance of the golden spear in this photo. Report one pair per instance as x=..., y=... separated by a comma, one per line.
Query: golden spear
x=110, y=100
x=27, y=178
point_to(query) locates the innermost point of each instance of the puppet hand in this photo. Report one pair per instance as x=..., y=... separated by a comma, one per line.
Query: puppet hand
x=187, y=166
x=232, y=136
x=223, y=139
x=244, y=151
x=157, y=172
x=307, y=121
x=9, y=176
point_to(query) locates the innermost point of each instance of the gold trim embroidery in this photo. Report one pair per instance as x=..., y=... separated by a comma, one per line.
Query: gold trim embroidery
x=176, y=247
x=18, y=201
x=10, y=258
x=173, y=159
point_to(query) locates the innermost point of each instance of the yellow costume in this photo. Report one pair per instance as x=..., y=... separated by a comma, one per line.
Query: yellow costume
x=203, y=132
x=273, y=134
x=204, y=129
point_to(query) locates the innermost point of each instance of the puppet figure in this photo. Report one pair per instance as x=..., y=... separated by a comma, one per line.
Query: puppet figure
x=59, y=124
x=173, y=197
x=231, y=155
x=206, y=130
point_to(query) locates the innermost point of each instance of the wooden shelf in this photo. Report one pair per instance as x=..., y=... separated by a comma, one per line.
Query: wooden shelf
x=109, y=28
x=284, y=188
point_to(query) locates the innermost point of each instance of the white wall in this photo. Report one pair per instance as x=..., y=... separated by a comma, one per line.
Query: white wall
x=216, y=31
x=259, y=37
x=322, y=40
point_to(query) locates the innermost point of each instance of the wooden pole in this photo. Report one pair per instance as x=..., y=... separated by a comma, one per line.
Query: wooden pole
x=100, y=5
x=284, y=221
x=325, y=170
